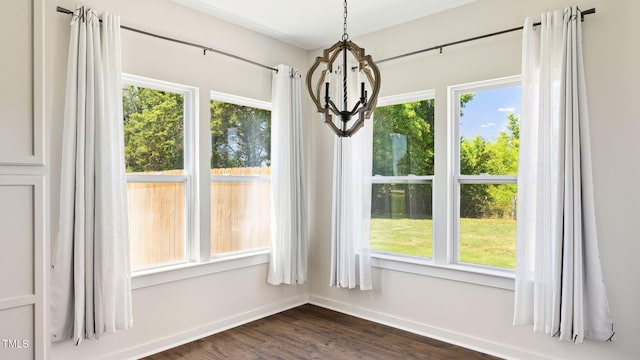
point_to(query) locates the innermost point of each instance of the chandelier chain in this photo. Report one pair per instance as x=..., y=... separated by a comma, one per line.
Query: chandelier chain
x=345, y=35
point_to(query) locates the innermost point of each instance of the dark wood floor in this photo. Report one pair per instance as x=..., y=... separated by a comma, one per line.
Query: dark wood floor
x=312, y=332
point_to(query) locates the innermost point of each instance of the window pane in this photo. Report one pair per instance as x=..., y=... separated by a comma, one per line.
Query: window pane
x=153, y=130
x=403, y=139
x=154, y=144
x=156, y=223
x=241, y=213
x=241, y=147
x=488, y=224
x=490, y=132
x=240, y=136
x=401, y=218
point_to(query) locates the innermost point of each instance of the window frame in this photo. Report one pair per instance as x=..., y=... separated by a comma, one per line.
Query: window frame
x=190, y=96
x=196, y=262
x=444, y=261
x=407, y=179
x=248, y=102
x=457, y=179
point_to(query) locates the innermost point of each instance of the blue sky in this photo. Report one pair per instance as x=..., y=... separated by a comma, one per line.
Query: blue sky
x=486, y=114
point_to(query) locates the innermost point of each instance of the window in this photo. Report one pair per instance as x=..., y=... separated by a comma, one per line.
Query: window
x=158, y=120
x=176, y=200
x=403, y=159
x=240, y=174
x=485, y=139
x=459, y=222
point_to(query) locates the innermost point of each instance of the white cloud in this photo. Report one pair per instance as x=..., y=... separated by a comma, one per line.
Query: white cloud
x=507, y=110
x=488, y=125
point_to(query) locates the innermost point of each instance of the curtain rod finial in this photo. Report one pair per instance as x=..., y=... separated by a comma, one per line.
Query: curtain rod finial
x=63, y=10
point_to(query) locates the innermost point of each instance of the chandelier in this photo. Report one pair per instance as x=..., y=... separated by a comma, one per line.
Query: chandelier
x=341, y=81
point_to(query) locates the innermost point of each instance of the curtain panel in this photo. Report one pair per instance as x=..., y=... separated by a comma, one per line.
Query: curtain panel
x=91, y=284
x=559, y=284
x=288, y=256
x=351, y=199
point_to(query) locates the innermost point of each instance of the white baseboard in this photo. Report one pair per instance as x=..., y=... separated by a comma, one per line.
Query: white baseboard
x=181, y=338
x=215, y=327
x=466, y=341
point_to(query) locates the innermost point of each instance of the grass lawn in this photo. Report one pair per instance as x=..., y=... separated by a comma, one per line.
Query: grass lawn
x=482, y=241
x=403, y=236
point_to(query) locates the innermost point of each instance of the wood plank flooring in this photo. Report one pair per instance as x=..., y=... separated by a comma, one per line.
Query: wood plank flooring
x=312, y=332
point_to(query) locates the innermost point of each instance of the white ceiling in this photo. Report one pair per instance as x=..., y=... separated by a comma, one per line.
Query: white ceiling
x=316, y=24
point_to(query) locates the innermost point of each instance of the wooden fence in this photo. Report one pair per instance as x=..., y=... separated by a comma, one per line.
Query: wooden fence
x=240, y=211
x=240, y=216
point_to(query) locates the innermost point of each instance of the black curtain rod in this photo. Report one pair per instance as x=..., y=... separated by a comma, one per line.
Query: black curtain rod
x=437, y=47
x=202, y=47
x=440, y=47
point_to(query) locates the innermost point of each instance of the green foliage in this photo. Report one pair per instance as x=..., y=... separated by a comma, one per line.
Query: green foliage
x=403, y=139
x=412, y=201
x=154, y=132
x=464, y=99
x=153, y=129
x=240, y=136
x=478, y=156
x=403, y=144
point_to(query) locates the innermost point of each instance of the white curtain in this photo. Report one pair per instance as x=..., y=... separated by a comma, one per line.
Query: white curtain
x=91, y=285
x=559, y=283
x=288, y=256
x=351, y=200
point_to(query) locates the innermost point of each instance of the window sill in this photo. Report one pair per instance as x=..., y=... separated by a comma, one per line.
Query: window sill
x=166, y=274
x=478, y=275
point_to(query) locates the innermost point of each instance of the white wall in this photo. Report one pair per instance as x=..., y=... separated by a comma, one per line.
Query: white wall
x=480, y=316
x=185, y=309
x=22, y=183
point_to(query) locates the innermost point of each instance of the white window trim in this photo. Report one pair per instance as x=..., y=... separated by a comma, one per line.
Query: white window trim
x=183, y=271
x=240, y=100
x=249, y=102
x=190, y=97
x=409, y=179
x=453, y=164
x=194, y=264
x=485, y=276
x=395, y=261
x=407, y=97
x=441, y=264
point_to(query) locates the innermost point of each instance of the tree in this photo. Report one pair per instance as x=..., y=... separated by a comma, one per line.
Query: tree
x=403, y=144
x=478, y=156
x=240, y=136
x=403, y=137
x=153, y=129
x=505, y=162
